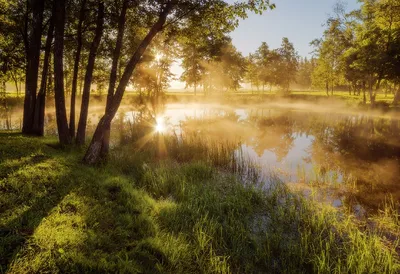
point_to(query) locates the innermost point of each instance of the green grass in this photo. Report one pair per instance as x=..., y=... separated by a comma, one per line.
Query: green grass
x=239, y=97
x=143, y=213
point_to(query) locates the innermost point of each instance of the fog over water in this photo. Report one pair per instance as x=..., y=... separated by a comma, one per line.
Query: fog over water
x=352, y=157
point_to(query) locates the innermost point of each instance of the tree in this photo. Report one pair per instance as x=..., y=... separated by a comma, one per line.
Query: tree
x=304, y=73
x=337, y=38
x=38, y=119
x=265, y=65
x=81, y=133
x=252, y=71
x=33, y=35
x=288, y=63
x=79, y=43
x=176, y=10
x=372, y=56
x=59, y=96
x=193, y=54
x=233, y=67
x=12, y=52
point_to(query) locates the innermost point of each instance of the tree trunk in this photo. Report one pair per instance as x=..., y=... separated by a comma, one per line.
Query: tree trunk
x=327, y=88
x=81, y=134
x=396, y=99
x=38, y=120
x=76, y=70
x=93, y=154
x=371, y=93
x=32, y=65
x=80, y=83
x=113, y=75
x=59, y=96
x=14, y=77
x=50, y=87
x=364, y=95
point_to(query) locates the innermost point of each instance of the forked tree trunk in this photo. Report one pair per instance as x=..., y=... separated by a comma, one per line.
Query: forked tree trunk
x=61, y=113
x=14, y=77
x=38, y=120
x=113, y=74
x=76, y=70
x=94, y=153
x=32, y=45
x=81, y=134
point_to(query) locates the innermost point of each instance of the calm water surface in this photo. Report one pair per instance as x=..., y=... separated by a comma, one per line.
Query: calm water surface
x=354, y=158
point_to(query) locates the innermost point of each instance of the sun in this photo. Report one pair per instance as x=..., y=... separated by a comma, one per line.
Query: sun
x=158, y=56
x=159, y=127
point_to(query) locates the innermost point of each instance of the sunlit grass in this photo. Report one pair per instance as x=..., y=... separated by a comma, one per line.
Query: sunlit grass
x=186, y=213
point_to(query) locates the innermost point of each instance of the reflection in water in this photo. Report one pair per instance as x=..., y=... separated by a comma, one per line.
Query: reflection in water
x=353, y=157
x=357, y=156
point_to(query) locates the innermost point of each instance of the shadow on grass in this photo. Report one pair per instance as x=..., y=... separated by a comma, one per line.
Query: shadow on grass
x=30, y=209
x=57, y=215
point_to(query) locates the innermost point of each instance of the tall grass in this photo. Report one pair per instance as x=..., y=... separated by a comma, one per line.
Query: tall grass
x=185, y=212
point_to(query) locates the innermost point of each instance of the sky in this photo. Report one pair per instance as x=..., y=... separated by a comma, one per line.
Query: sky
x=299, y=20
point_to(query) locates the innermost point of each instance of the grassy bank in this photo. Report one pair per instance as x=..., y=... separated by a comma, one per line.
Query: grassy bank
x=239, y=97
x=177, y=212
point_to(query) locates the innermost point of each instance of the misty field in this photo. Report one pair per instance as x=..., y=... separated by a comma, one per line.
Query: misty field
x=199, y=136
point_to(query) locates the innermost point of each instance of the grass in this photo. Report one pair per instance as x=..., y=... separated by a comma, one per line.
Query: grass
x=142, y=213
x=241, y=96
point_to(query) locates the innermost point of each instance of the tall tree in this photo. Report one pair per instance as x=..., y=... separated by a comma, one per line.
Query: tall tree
x=33, y=34
x=38, y=120
x=177, y=10
x=81, y=133
x=59, y=96
x=113, y=74
x=288, y=64
x=94, y=152
x=265, y=65
x=76, y=67
x=252, y=72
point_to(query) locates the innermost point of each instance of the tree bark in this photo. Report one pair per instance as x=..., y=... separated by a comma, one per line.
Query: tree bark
x=38, y=120
x=113, y=75
x=32, y=45
x=396, y=98
x=59, y=96
x=94, y=153
x=327, y=88
x=14, y=77
x=371, y=92
x=364, y=96
x=81, y=133
x=76, y=70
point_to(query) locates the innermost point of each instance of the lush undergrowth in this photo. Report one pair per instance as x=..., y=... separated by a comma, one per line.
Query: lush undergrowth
x=146, y=212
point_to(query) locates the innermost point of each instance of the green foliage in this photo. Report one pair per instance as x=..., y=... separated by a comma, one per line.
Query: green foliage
x=273, y=67
x=360, y=47
x=162, y=217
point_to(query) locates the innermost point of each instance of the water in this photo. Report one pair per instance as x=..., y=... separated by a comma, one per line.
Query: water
x=353, y=158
